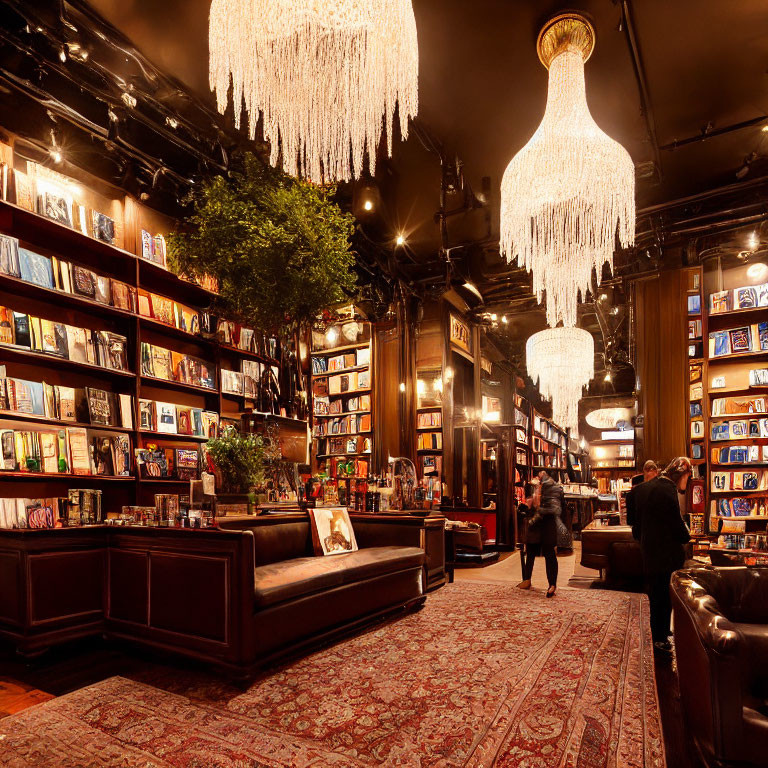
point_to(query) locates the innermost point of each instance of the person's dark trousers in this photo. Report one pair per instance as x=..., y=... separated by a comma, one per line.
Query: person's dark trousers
x=550, y=559
x=661, y=604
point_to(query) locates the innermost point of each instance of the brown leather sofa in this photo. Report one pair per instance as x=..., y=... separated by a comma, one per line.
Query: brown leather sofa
x=721, y=637
x=237, y=597
x=612, y=550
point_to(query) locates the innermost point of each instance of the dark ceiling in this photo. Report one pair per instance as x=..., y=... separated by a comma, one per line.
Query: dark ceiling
x=663, y=72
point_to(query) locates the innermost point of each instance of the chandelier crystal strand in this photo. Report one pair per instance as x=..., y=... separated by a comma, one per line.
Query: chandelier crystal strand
x=325, y=74
x=562, y=361
x=566, y=193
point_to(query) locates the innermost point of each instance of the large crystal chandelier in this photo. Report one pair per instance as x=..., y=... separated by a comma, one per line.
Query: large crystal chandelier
x=569, y=189
x=325, y=74
x=562, y=361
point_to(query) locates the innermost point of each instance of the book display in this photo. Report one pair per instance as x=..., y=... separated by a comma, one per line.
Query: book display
x=549, y=444
x=729, y=433
x=342, y=412
x=112, y=367
x=429, y=433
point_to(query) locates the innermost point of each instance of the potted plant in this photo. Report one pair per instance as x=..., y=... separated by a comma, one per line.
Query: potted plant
x=238, y=462
x=279, y=247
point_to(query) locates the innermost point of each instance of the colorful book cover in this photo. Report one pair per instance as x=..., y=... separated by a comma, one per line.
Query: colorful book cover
x=762, y=335
x=166, y=417
x=741, y=340
x=721, y=343
x=719, y=302
x=9, y=256
x=762, y=295
x=147, y=415
x=694, y=306
x=744, y=298
x=77, y=343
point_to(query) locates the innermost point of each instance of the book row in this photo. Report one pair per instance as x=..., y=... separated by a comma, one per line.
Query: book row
x=430, y=441
x=172, y=419
x=343, y=425
x=341, y=362
x=347, y=468
x=734, y=341
x=548, y=431
x=430, y=419
x=81, y=345
x=251, y=379
x=344, y=445
x=728, y=430
x=162, y=363
x=54, y=401
x=747, y=297
x=168, y=463
x=740, y=506
x=740, y=481
x=738, y=406
x=323, y=406
x=341, y=383
x=81, y=506
x=740, y=454
x=72, y=450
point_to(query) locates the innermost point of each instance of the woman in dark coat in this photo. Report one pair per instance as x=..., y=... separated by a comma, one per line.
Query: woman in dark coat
x=541, y=534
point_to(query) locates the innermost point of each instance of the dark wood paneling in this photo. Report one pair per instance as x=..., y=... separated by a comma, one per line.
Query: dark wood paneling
x=128, y=586
x=189, y=594
x=65, y=585
x=10, y=587
x=661, y=365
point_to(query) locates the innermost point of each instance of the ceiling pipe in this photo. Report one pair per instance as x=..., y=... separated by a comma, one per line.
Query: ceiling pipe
x=708, y=134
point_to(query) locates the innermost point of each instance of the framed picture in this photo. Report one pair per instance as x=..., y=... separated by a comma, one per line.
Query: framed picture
x=332, y=532
x=460, y=335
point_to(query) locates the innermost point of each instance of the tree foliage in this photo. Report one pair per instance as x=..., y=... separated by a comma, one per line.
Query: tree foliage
x=279, y=247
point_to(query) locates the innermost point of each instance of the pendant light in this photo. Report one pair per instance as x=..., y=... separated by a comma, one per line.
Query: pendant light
x=571, y=188
x=562, y=361
x=326, y=75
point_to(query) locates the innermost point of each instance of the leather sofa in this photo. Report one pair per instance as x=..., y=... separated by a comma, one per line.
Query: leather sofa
x=721, y=636
x=613, y=551
x=238, y=597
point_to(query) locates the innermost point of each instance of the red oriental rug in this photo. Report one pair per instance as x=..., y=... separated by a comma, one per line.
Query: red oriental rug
x=484, y=675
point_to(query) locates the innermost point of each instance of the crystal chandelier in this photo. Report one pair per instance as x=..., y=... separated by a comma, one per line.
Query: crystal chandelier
x=323, y=73
x=562, y=361
x=569, y=189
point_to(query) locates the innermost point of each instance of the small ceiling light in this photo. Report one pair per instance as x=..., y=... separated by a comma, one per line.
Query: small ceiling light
x=63, y=56
x=494, y=317
x=128, y=100
x=757, y=272
x=368, y=205
x=172, y=122
x=614, y=311
x=603, y=297
x=331, y=335
x=607, y=376
x=764, y=129
x=753, y=242
x=402, y=386
x=55, y=155
x=504, y=319
x=400, y=240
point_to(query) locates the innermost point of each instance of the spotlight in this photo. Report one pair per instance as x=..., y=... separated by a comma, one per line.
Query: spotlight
x=504, y=319
x=607, y=376
x=764, y=129
x=368, y=205
x=63, y=56
x=331, y=335
x=400, y=240
x=494, y=317
x=55, y=155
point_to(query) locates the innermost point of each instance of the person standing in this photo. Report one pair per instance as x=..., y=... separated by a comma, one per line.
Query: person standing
x=650, y=471
x=663, y=536
x=547, y=506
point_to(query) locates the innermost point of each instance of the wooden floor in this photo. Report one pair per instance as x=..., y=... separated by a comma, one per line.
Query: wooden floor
x=24, y=684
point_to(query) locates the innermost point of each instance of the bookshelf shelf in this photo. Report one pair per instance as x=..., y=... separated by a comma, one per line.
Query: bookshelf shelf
x=177, y=385
x=350, y=393
x=740, y=491
x=338, y=415
x=340, y=371
x=739, y=356
x=342, y=434
x=331, y=455
x=163, y=481
x=172, y=436
x=336, y=350
x=45, y=421
x=742, y=517
x=41, y=358
x=16, y=475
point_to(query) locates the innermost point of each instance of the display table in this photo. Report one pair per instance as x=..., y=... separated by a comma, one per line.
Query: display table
x=612, y=550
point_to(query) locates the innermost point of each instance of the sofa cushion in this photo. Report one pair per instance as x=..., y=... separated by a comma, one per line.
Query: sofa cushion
x=276, y=582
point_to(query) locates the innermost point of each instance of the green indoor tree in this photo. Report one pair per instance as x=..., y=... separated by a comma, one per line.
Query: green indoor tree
x=279, y=247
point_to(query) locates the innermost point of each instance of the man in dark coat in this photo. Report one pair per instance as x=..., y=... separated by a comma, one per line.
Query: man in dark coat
x=662, y=535
x=541, y=535
x=650, y=470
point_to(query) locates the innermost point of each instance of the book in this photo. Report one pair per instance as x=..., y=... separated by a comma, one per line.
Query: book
x=694, y=304
x=197, y=422
x=6, y=326
x=49, y=452
x=25, y=190
x=758, y=377
x=126, y=411
x=166, y=417
x=36, y=333
x=9, y=256
x=101, y=447
x=161, y=363
x=65, y=403
x=103, y=227
x=76, y=343
x=99, y=407
x=83, y=282
x=744, y=298
x=147, y=415
x=79, y=452
x=123, y=296
x=121, y=455
x=8, y=447
x=183, y=420
x=103, y=290
x=762, y=335
x=55, y=206
x=162, y=309
x=26, y=396
x=22, y=336
x=719, y=344
x=116, y=348
x=187, y=461
x=740, y=340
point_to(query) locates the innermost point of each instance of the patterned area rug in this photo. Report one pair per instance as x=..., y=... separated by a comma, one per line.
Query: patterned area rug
x=484, y=675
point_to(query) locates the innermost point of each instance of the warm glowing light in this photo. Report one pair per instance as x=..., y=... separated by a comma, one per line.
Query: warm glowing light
x=448, y=372
x=368, y=205
x=494, y=317
x=492, y=416
x=421, y=387
x=331, y=335
x=402, y=386
x=562, y=361
x=473, y=288
x=322, y=74
x=764, y=129
x=400, y=240
x=504, y=319
x=438, y=385
x=600, y=453
x=757, y=272
x=753, y=242
x=571, y=188
x=609, y=418
x=582, y=443
x=56, y=156
x=607, y=376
